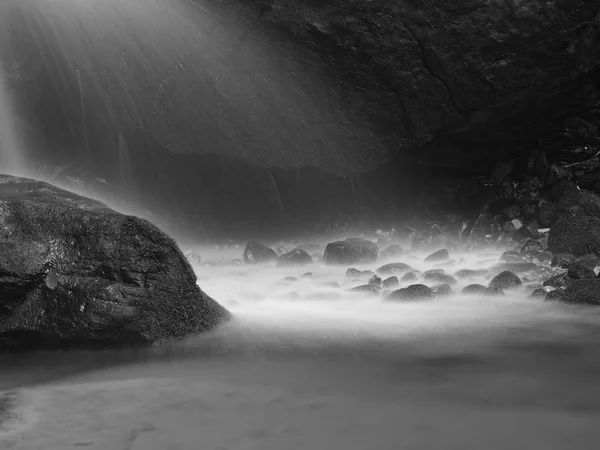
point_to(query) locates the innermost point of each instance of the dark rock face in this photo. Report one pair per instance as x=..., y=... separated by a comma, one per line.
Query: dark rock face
x=256, y=253
x=351, y=251
x=412, y=292
x=579, y=235
x=295, y=258
x=422, y=68
x=582, y=291
x=74, y=272
x=439, y=256
x=505, y=280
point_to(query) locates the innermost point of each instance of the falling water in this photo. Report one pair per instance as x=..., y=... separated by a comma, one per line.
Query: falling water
x=12, y=159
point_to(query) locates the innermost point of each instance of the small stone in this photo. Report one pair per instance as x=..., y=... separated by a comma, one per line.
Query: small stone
x=366, y=289
x=493, y=291
x=392, y=282
x=51, y=280
x=441, y=290
x=473, y=289
x=440, y=255
x=376, y=282
x=538, y=293
x=412, y=292
x=256, y=253
x=393, y=268
x=441, y=278
x=410, y=276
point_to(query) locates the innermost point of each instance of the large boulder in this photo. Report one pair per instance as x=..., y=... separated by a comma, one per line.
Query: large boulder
x=74, y=272
x=577, y=235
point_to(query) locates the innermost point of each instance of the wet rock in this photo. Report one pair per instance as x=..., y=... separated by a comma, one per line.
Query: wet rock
x=439, y=256
x=441, y=290
x=433, y=271
x=578, y=235
x=547, y=215
x=392, y=251
x=545, y=256
x=391, y=283
x=468, y=273
x=512, y=212
x=493, y=291
x=558, y=281
x=583, y=292
x=352, y=272
x=563, y=260
x=505, y=280
x=580, y=270
x=554, y=295
x=193, y=258
x=512, y=256
x=410, y=276
x=351, y=251
x=295, y=258
x=376, y=282
x=474, y=289
x=394, y=268
x=310, y=248
x=115, y=280
x=308, y=275
x=538, y=293
x=257, y=253
x=440, y=278
x=521, y=267
x=532, y=247
x=290, y=279
x=236, y=262
x=412, y=292
x=365, y=289
x=526, y=232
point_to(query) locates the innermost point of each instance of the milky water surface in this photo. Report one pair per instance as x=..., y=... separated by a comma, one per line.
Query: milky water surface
x=325, y=369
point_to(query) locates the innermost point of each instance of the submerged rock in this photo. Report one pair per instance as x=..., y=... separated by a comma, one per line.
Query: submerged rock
x=74, y=272
x=256, y=253
x=410, y=276
x=412, y=292
x=505, y=280
x=440, y=255
x=295, y=258
x=391, y=283
x=473, y=289
x=440, y=278
x=351, y=251
x=394, y=268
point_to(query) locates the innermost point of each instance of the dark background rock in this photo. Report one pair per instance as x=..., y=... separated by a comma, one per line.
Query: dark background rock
x=73, y=272
x=376, y=97
x=579, y=236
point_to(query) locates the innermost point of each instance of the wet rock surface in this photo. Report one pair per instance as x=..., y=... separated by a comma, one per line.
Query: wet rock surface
x=74, y=272
x=256, y=253
x=351, y=251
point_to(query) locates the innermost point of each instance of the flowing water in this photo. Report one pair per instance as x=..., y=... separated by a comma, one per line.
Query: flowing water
x=307, y=365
